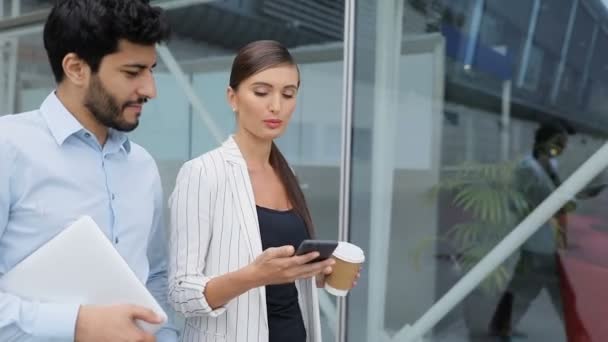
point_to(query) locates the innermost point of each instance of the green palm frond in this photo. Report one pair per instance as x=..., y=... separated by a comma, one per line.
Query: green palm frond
x=483, y=202
x=466, y=234
x=496, y=281
x=494, y=196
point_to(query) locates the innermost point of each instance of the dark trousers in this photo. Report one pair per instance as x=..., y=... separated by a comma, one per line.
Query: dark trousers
x=533, y=273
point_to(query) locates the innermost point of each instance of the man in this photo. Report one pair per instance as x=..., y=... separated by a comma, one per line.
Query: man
x=72, y=158
x=536, y=178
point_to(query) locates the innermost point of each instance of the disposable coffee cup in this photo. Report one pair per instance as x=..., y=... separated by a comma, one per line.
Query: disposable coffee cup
x=348, y=259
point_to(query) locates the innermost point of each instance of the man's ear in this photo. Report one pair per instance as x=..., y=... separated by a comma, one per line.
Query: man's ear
x=76, y=70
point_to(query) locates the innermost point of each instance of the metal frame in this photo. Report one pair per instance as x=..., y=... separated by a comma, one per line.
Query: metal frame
x=474, y=33
x=183, y=82
x=33, y=22
x=525, y=58
x=346, y=153
x=329, y=52
x=2, y=64
x=588, y=59
x=23, y=24
x=564, y=53
x=471, y=136
x=389, y=21
x=174, y=4
x=11, y=95
x=8, y=61
x=505, y=120
x=435, y=43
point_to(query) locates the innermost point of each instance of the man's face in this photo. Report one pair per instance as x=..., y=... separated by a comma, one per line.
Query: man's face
x=558, y=145
x=123, y=83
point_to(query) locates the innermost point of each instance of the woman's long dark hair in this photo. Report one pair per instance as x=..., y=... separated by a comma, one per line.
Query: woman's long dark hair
x=252, y=59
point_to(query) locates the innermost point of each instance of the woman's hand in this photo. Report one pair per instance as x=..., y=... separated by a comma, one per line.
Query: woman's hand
x=273, y=266
x=280, y=266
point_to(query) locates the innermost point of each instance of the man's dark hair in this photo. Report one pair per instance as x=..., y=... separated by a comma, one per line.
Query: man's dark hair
x=92, y=29
x=550, y=129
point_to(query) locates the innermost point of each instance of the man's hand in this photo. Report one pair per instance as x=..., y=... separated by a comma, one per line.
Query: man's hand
x=115, y=323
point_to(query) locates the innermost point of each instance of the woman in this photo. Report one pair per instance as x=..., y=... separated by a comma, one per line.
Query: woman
x=237, y=215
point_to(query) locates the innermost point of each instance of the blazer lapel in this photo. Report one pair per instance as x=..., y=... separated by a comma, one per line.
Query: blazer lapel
x=242, y=191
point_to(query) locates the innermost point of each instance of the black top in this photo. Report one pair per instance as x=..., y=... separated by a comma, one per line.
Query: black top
x=280, y=228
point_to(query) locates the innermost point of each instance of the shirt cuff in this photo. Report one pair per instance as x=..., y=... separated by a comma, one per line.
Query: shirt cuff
x=56, y=320
x=219, y=310
x=194, y=294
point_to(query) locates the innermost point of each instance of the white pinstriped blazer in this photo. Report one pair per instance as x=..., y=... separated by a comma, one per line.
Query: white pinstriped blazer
x=215, y=230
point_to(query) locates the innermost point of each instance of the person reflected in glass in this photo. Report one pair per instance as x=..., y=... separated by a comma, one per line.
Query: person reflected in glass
x=237, y=215
x=536, y=177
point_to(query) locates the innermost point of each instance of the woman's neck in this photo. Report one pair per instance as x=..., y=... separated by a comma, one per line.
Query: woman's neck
x=255, y=151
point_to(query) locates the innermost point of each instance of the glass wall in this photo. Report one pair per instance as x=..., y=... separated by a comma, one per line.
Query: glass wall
x=448, y=100
x=207, y=35
x=449, y=97
x=206, y=38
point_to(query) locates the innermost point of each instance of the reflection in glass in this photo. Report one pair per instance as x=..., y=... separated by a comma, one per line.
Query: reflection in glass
x=446, y=164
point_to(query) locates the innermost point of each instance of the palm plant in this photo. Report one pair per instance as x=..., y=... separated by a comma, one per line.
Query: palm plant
x=491, y=198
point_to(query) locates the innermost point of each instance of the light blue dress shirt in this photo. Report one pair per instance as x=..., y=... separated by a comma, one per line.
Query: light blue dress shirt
x=536, y=185
x=52, y=171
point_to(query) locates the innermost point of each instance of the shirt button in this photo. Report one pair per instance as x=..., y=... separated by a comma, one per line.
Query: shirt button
x=113, y=197
x=88, y=135
x=116, y=240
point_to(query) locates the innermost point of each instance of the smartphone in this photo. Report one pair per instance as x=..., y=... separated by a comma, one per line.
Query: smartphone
x=324, y=247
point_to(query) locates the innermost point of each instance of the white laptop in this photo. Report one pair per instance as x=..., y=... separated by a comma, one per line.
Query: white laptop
x=80, y=265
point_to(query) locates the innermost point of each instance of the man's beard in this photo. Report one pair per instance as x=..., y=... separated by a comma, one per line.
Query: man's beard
x=106, y=109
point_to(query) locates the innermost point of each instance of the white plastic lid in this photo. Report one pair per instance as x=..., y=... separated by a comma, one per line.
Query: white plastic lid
x=335, y=292
x=349, y=252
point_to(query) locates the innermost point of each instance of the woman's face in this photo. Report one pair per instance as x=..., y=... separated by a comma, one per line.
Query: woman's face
x=265, y=101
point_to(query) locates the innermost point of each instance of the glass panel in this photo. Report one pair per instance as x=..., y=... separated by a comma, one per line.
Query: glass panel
x=449, y=157
x=206, y=38
x=17, y=7
x=579, y=48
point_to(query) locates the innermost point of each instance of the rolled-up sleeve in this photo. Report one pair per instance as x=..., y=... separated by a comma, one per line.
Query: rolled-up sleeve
x=190, y=234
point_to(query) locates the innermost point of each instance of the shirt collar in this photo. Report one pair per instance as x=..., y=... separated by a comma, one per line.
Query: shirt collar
x=63, y=124
x=60, y=121
x=120, y=138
